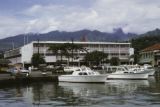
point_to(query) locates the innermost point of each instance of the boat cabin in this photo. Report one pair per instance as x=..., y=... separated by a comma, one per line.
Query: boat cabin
x=84, y=71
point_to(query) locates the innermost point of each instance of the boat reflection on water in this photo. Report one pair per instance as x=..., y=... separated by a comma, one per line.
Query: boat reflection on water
x=111, y=87
x=126, y=86
x=82, y=89
x=113, y=93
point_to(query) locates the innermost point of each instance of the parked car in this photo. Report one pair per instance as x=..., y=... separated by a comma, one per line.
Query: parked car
x=19, y=71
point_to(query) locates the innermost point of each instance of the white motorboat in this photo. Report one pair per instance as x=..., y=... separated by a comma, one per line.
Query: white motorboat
x=83, y=74
x=149, y=69
x=70, y=68
x=146, y=68
x=124, y=73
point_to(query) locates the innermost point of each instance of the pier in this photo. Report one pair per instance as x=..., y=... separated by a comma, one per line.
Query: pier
x=36, y=76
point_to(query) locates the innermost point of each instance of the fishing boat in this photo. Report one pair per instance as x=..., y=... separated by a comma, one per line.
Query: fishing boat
x=83, y=75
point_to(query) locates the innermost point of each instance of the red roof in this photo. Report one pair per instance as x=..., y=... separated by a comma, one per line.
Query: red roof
x=152, y=48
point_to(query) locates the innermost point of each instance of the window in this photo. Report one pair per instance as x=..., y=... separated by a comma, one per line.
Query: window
x=83, y=73
x=89, y=73
x=80, y=73
x=78, y=70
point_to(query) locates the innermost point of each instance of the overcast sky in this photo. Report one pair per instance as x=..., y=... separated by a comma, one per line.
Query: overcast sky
x=41, y=16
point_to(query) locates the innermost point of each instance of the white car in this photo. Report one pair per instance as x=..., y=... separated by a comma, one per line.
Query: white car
x=21, y=71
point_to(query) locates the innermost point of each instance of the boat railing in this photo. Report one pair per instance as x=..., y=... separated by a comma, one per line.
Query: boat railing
x=109, y=69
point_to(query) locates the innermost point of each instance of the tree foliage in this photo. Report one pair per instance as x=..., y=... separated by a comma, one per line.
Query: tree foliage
x=96, y=57
x=144, y=41
x=58, y=49
x=114, y=61
x=66, y=49
x=37, y=59
x=1, y=56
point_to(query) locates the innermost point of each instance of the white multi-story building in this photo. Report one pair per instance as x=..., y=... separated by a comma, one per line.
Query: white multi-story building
x=24, y=53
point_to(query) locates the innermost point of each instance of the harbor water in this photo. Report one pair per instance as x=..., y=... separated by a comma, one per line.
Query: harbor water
x=121, y=93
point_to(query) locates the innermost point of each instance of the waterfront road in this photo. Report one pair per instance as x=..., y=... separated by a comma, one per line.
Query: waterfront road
x=33, y=74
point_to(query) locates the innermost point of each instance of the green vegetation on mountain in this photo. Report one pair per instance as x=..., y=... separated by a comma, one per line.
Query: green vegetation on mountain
x=145, y=40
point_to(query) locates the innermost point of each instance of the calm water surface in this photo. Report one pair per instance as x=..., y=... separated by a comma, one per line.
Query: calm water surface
x=124, y=93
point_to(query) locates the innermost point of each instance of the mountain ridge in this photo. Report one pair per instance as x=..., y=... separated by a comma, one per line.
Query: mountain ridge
x=89, y=35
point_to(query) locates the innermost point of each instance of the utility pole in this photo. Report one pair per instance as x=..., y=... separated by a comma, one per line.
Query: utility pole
x=27, y=38
x=103, y=54
x=12, y=45
x=38, y=52
x=72, y=50
x=38, y=46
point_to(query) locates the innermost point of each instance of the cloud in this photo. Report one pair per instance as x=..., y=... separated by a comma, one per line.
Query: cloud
x=11, y=26
x=136, y=16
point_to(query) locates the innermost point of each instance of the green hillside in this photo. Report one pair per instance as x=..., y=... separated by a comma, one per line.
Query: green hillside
x=145, y=40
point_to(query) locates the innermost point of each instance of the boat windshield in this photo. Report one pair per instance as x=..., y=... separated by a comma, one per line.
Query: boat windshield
x=126, y=68
x=78, y=70
x=83, y=73
x=149, y=67
x=85, y=68
x=121, y=69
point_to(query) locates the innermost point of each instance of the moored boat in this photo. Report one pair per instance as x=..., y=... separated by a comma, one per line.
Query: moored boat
x=84, y=75
x=145, y=68
x=149, y=69
x=124, y=73
x=70, y=68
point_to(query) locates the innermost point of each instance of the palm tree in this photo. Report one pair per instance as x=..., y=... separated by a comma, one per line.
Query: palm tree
x=37, y=59
x=66, y=49
x=95, y=56
x=70, y=48
x=115, y=61
x=54, y=48
x=62, y=51
x=58, y=49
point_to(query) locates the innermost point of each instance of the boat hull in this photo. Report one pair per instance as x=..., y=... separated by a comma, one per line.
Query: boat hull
x=136, y=76
x=83, y=79
x=150, y=72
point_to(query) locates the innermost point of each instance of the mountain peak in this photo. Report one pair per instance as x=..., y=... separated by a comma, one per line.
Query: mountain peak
x=118, y=30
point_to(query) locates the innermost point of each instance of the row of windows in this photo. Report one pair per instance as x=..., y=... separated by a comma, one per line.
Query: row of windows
x=12, y=53
x=147, y=55
x=89, y=45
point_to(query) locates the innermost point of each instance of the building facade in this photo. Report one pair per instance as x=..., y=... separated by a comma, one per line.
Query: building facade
x=150, y=55
x=24, y=53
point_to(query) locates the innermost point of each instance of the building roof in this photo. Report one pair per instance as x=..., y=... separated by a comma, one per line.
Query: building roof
x=152, y=48
x=80, y=42
x=76, y=42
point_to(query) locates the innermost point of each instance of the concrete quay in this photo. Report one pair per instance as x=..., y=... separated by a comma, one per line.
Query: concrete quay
x=35, y=76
